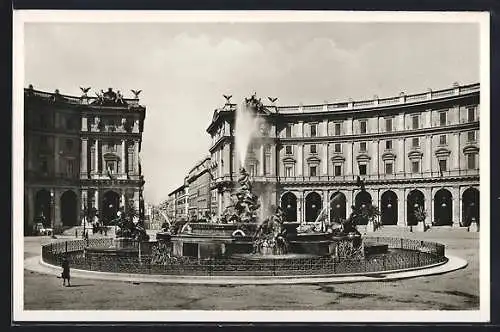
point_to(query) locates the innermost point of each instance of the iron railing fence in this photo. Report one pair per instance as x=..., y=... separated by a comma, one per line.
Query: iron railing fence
x=404, y=254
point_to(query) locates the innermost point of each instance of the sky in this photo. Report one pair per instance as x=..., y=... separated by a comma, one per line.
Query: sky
x=183, y=69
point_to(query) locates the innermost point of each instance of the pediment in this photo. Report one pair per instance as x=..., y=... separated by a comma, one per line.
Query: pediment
x=415, y=154
x=388, y=156
x=470, y=149
x=313, y=159
x=289, y=160
x=442, y=152
x=363, y=157
x=338, y=158
x=110, y=156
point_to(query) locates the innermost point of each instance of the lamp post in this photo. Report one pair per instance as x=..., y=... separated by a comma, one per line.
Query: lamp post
x=52, y=213
x=85, y=213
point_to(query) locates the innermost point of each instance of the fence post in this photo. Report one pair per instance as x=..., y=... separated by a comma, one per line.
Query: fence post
x=66, y=247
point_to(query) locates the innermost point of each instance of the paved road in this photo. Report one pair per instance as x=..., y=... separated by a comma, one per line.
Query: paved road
x=457, y=290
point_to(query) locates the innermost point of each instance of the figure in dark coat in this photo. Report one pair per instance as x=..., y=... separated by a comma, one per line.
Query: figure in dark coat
x=65, y=272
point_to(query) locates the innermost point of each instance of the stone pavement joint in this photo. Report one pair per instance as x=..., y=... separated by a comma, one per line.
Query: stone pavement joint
x=36, y=264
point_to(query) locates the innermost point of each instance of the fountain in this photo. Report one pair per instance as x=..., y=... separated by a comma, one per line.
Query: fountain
x=254, y=239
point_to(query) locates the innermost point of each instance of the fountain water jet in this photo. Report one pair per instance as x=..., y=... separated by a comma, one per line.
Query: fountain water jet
x=245, y=128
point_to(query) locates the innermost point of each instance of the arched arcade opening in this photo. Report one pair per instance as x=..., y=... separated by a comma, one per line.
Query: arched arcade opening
x=414, y=200
x=337, y=207
x=389, y=208
x=110, y=206
x=470, y=206
x=313, y=206
x=443, y=208
x=289, y=206
x=43, y=211
x=363, y=198
x=69, y=206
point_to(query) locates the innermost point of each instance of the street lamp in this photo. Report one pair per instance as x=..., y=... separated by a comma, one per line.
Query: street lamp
x=52, y=213
x=85, y=214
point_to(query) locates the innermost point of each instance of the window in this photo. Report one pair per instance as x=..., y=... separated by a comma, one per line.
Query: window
x=362, y=146
x=253, y=170
x=362, y=127
x=471, y=136
x=388, y=145
x=267, y=149
x=415, y=166
x=111, y=146
x=442, y=118
x=69, y=145
x=111, y=166
x=443, y=165
x=70, y=167
x=471, y=161
x=314, y=128
x=415, y=142
x=362, y=169
x=267, y=164
x=288, y=171
x=71, y=123
x=44, y=165
x=288, y=131
x=312, y=171
x=313, y=148
x=388, y=168
x=337, y=129
x=442, y=139
x=388, y=124
x=288, y=149
x=43, y=142
x=471, y=114
x=43, y=121
x=337, y=170
x=338, y=147
x=414, y=121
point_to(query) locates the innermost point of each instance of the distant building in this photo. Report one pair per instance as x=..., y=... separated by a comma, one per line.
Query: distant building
x=178, y=200
x=198, y=182
x=81, y=156
x=415, y=150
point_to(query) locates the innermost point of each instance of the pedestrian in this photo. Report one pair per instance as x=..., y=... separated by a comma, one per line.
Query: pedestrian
x=65, y=272
x=76, y=232
x=105, y=230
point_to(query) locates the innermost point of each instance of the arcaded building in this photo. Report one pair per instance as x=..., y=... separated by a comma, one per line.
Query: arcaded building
x=412, y=150
x=81, y=156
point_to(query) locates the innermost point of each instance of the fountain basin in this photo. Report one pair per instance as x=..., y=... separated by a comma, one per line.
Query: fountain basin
x=273, y=257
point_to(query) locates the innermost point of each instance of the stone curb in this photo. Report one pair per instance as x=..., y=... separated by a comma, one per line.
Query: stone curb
x=36, y=264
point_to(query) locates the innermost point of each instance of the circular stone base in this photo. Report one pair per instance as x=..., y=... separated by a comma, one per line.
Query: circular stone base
x=454, y=263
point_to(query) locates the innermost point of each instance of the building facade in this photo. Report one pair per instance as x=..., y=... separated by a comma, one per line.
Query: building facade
x=179, y=202
x=81, y=156
x=418, y=150
x=198, y=181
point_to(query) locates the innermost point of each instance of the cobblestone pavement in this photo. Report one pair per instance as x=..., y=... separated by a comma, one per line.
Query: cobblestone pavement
x=458, y=290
